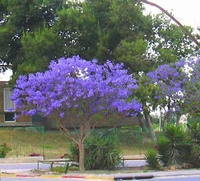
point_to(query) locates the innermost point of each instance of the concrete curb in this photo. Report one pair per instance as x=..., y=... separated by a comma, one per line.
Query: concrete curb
x=116, y=177
x=55, y=176
x=98, y=177
x=88, y=177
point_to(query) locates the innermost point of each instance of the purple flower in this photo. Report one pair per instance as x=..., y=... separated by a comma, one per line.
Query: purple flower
x=73, y=86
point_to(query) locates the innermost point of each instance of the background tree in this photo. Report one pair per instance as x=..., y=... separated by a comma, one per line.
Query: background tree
x=35, y=32
x=183, y=28
x=19, y=17
x=179, y=86
x=77, y=91
x=146, y=94
x=191, y=93
x=92, y=29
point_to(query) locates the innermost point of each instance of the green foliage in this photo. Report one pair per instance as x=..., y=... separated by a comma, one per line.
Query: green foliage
x=177, y=145
x=38, y=49
x=47, y=146
x=34, y=32
x=101, y=152
x=152, y=160
x=4, y=149
x=74, y=154
x=169, y=39
x=19, y=17
x=133, y=54
x=19, y=129
x=163, y=150
x=195, y=156
x=62, y=169
x=194, y=131
x=31, y=129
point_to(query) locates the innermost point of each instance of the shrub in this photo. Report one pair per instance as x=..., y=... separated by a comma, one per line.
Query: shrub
x=31, y=129
x=152, y=159
x=163, y=150
x=194, y=133
x=101, y=152
x=179, y=147
x=19, y=129
x=35, y=154
x=4, y=149
x=74, y=154
x=195, y=156
x=176, y=146
x=62, y=169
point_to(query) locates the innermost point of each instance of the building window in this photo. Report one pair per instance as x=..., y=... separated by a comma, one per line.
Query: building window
x=9, y=116
x=9, y=106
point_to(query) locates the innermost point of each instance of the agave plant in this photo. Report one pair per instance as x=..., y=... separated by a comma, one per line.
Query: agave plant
x=152, y=160
x=194, y=133
x=174, y=147
x=101, y=151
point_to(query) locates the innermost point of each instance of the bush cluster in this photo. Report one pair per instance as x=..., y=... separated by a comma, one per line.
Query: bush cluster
x=4, y=149
x=176, y=147
x=101, y=152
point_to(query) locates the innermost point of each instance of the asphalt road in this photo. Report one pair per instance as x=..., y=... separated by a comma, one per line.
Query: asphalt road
x=177, y=178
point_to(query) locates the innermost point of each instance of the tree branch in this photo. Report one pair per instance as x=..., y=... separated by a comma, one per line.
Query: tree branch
x=68, y=133
x=175, y=20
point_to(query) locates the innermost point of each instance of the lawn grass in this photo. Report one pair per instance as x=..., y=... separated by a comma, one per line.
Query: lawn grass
x=54, y=144
x=24, y=143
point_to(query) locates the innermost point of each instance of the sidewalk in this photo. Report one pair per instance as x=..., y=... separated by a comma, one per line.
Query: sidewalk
x=120, y=174
x=142, y=175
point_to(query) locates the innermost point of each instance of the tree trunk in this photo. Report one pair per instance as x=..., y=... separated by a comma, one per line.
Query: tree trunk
x=168, y=118
x=150, y=127
x=81, y=155
x=142, y=123
x=81, y=148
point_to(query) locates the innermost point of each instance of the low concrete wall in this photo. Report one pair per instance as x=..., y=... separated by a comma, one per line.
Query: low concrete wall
x=21, y=159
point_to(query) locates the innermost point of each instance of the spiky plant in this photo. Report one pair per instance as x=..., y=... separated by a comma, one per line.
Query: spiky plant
x=174, y=147
x=152, y=160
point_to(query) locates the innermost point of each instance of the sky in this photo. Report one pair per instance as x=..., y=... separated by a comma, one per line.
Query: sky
x=186, y=11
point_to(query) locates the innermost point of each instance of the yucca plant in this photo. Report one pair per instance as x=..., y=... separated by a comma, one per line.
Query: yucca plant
x=194, y=133
x=101, y=151
x=152, y=160
x=174, y=147
x=195, y=156
x=163, y=145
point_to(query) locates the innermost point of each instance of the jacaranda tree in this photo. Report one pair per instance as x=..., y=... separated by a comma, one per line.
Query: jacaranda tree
x=178, y=86
x=75, y=90
x=192, y=88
